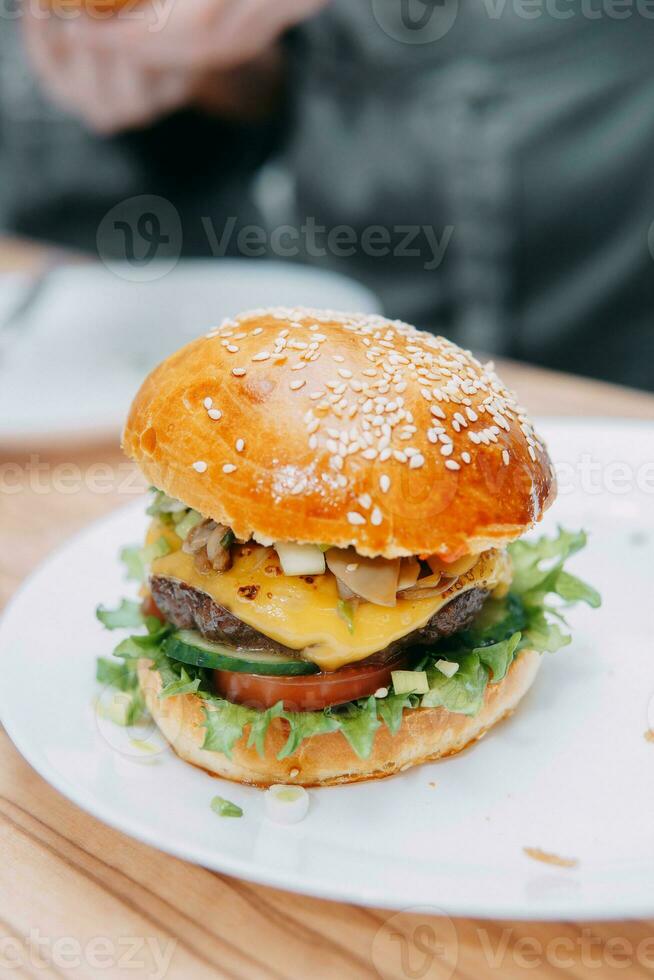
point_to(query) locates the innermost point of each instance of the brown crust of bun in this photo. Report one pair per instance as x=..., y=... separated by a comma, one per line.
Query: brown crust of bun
x=296, y=477
x=426, y=734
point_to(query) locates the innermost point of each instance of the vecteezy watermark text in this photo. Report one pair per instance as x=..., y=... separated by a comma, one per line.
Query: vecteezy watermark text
x=148, y=955
x=339, y=241
x=564, y=952
x=427, y=21
x=141, y=239
x=42, y=477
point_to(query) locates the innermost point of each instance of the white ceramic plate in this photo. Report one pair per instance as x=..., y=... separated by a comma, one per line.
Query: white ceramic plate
x=570, y=773
x=83, y=349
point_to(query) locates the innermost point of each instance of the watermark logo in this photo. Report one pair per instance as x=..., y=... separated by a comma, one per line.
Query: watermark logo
x=140, y=239
x=149, y=956
x=418, y=943
x=415, y=21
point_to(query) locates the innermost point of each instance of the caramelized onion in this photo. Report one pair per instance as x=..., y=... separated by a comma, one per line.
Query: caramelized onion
x=218, y=553
x=343, y=592
x=453, y=569
x=428, y=587
x=197, y=537
x=374, y=579
x=409, y=572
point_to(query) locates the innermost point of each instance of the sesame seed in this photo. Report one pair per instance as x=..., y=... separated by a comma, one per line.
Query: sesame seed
x=376, y=517
x=295, y=385
x=215, y=414
x=352, y=567
x=384, y=483
x=240, y=445
x=208, y=402
x=365, y=501
x=465, y=456
x=263, y=355
x=355, y=518
x=232, y=348
x=200, y=466
x=416, y=461
x=228, y=467
x=238, y=372
x=506, y=459
x=447, y=449
x=452, y=464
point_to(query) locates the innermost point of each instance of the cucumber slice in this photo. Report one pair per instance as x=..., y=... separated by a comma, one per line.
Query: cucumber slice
x=190, y=647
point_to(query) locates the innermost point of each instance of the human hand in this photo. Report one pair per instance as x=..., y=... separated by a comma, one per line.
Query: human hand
x=126, y=70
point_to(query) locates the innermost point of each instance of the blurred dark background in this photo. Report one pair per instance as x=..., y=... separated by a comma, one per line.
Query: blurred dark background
x=484, y=167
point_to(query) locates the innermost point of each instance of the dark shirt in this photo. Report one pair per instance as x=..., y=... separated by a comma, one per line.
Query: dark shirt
x=527, y=140
x=58, y=180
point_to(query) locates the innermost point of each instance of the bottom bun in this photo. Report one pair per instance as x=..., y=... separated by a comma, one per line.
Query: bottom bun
x=426, y=734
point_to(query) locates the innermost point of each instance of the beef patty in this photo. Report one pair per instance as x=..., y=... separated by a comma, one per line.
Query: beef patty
x=189, y=608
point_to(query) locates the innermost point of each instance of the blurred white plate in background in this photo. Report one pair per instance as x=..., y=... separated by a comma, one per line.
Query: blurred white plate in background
x=83, y=349
x=570, y=773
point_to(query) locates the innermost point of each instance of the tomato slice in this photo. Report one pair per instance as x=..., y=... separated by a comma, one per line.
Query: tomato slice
x=311, y=692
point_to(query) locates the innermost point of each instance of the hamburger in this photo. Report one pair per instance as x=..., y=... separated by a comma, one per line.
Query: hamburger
x=335, y=586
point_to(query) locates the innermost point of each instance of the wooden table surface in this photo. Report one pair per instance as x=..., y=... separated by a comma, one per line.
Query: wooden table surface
x=79, y=899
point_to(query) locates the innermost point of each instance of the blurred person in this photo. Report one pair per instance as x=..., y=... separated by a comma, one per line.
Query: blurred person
x=86, y=125
x=484, y=166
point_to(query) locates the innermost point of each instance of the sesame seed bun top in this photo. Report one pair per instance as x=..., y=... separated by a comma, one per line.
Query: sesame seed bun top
x=343, y=429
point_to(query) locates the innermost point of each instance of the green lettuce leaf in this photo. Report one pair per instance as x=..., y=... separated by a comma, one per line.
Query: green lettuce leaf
x=259, y=727
x=182, y=685
x=572, y=589
x=497, y=620
x=391, y=709
x=132, y=559
x=528, y=556
x=118, y=674
x=224, y=723
x=136, y=710
x=543, y=634
x=498, y=657
x=464, y=692
x=358, y=723
x=127, y=616
x=305, y=724
x=137, y=560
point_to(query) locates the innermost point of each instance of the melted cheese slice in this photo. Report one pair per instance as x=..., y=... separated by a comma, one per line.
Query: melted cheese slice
x=302, y=613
